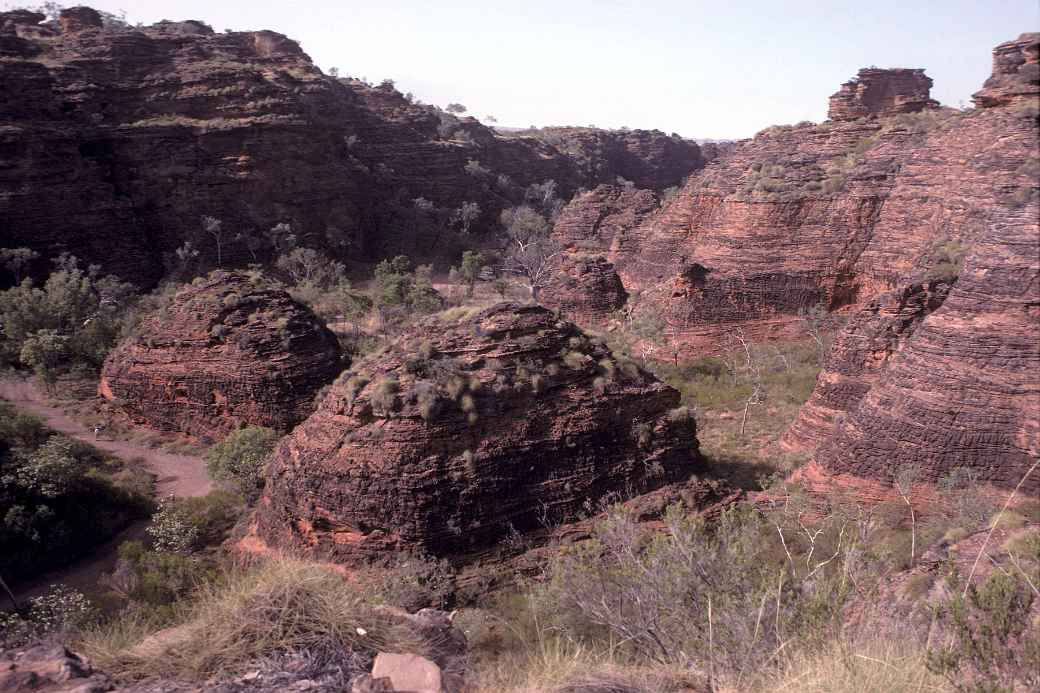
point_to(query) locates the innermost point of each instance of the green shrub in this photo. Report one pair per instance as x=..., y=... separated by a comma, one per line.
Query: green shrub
x=240, y=459
x=994, y=646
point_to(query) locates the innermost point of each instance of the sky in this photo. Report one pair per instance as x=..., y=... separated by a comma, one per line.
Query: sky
x=715, y=69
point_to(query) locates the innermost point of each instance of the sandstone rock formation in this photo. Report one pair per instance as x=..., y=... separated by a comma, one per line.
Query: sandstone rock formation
x=878, y=92
x=228, y=350
x=584, y=287
x=1016, y=73
x=862, y=351
x=470, y=430
x=133, y=133
x=963, y=392
x=801, y=216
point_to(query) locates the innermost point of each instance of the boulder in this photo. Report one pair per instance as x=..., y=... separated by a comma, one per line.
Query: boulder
x=470, y=430
x=229, y=350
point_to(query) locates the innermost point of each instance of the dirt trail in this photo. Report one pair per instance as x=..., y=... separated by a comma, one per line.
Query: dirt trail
x=179, y=475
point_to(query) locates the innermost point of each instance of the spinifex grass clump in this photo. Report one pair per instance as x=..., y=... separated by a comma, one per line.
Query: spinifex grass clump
x=246, y=615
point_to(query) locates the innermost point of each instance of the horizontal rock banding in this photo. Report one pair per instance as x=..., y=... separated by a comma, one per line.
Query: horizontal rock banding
x=467, y=432
x=227, y=351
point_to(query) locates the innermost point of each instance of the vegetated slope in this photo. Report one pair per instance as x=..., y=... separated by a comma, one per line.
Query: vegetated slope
x=468, y=431
x=806, y=215
x=114, y=140
x=227, y=350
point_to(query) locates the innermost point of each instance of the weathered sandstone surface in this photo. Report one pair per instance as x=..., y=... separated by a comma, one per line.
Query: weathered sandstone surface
x=827, y=215
x=114, y=141
x=469, y=431
x=228, y=350
x=878, y=92
x=1016, y=73
x=864, y=348
x=964, y=390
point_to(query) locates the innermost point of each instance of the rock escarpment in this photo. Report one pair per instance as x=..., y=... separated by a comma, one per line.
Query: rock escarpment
x=964, y=390
x=467, y=431
x=862, y=351
x=1016, y=73
x=878, y=92
x=228, y=350
x=132, y=133
x=806, y=216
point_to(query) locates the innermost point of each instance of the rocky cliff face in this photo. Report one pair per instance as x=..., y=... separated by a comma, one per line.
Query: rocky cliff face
x=114, y=141
x=1016, y=73
x=963, y=391
x=826, y=215
x=864, y=348
x=228, y=350
x=877, y=92
x=469, y=431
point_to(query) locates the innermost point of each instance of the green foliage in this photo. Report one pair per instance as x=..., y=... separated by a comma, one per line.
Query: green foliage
x=240, y=458
x=716, y=598
x=411, y=581
x=70, y=322
x=59, y=497
x=995, y=647
x=156, y=579
x=469, y=270
x=946, y=259
x=395, y=286
x=384, y=395
x=184, y=525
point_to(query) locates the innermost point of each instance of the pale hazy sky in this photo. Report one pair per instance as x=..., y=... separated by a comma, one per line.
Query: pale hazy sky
x=721, y=69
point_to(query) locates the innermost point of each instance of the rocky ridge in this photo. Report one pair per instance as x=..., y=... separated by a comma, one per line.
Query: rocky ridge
x=877, y=92
x=133, y=133
x=809, y=215
x=475, y=429
x=228, y=350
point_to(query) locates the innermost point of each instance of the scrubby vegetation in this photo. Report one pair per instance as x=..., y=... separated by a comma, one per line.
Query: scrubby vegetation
x=239, y=459
x=66, y=325
x=59, y=497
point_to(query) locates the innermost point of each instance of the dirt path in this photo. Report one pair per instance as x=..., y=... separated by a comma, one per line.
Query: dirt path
x=180, y=475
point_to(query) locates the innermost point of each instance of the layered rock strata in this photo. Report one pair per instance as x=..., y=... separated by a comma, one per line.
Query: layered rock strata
x=861, y=352
x=963, y=393
x=882, y=92
x=468, y=431
x=131, y=134
x=228, y=350
x=1016, y=73
x=811, y=216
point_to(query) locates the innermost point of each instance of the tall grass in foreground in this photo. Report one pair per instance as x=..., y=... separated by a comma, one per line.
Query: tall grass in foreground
x=283, y=605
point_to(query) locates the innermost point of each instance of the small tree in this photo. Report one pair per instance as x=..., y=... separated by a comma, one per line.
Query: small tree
x=214, y=228
x=16, y=260
x=43, y=351
x=465, y=215
x=456, y=108
x=531, y=252
x=469, y=271
x=240, y=459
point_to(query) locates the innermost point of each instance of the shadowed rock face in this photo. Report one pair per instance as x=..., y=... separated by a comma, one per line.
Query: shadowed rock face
x=586, y=288
x=1016, y=73
x=876, y=92
x=859, y=356
x=227, y=351
x=132, y=134
x=465, y=432
x=964, y=390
